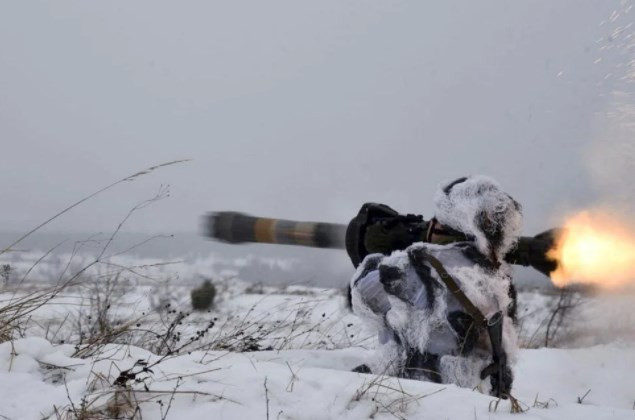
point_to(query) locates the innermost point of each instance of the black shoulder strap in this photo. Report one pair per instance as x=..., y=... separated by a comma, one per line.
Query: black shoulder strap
x=452, y=285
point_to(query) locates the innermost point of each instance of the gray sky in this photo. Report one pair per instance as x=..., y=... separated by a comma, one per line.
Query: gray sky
x=302, y=110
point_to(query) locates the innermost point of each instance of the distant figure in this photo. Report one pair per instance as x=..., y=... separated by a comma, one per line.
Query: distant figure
x=425, y=329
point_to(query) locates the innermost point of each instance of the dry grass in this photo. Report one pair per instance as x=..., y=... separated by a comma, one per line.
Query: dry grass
x=544, y=404
x=15, y=313
x=387, y=396
x=515, y=405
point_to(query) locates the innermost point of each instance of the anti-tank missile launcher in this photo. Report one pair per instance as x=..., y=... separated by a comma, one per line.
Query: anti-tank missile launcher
x=376, y=229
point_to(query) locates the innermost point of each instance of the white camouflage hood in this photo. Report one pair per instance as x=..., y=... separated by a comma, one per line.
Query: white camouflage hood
x=476, y=206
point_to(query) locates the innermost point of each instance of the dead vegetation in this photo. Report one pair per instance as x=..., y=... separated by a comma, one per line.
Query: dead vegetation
x=116, y=394
x=544, y=404
x=14, y=313
x=557, y=318
x=203, y=296
x=387, y=396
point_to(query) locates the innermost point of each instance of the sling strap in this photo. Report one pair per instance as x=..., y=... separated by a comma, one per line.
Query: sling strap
x=419, y=255
x=498, y=369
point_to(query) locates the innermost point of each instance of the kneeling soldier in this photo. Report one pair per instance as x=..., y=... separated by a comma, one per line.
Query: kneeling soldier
x=442, y=311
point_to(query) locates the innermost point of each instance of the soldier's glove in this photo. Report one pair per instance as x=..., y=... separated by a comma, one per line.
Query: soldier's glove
x=394, y=281
x=372, y=293
x=501, y=379
x=387, y=236
x=362, y=369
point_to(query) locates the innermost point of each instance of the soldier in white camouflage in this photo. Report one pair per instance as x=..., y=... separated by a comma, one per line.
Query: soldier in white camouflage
x=441, y=312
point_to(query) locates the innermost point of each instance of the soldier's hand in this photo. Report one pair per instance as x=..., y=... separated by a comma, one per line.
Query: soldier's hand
x=384, y=238
x=501, y=379
x=372, y=293
x=393, y=279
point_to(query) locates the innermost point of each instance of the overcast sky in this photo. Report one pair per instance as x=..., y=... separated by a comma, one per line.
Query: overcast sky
x=305, y=110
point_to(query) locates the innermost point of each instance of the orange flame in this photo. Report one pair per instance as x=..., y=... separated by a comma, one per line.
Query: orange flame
x=595, y=249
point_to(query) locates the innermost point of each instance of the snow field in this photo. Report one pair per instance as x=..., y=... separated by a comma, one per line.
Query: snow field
x=286, y=353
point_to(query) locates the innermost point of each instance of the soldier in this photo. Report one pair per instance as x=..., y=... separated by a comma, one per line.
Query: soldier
x=441, y=311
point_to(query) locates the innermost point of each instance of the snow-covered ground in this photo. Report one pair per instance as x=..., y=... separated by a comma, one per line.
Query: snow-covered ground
x=39, y=379
x=281, y=353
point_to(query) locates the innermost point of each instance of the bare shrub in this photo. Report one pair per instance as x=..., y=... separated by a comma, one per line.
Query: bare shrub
x=5, y=273
x=15, y=313
x=98, y=325
x=562, y=312
x=552, y=317
x=162, y=297
x=203, y=297
x=102, y=295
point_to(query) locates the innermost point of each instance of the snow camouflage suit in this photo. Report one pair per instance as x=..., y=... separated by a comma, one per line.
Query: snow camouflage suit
x=423, y=331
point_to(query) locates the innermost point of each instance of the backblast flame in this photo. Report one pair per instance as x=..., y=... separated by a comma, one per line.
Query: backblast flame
x=595, y=249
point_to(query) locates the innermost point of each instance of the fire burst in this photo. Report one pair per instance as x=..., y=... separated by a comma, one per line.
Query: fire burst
x=595, y=249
